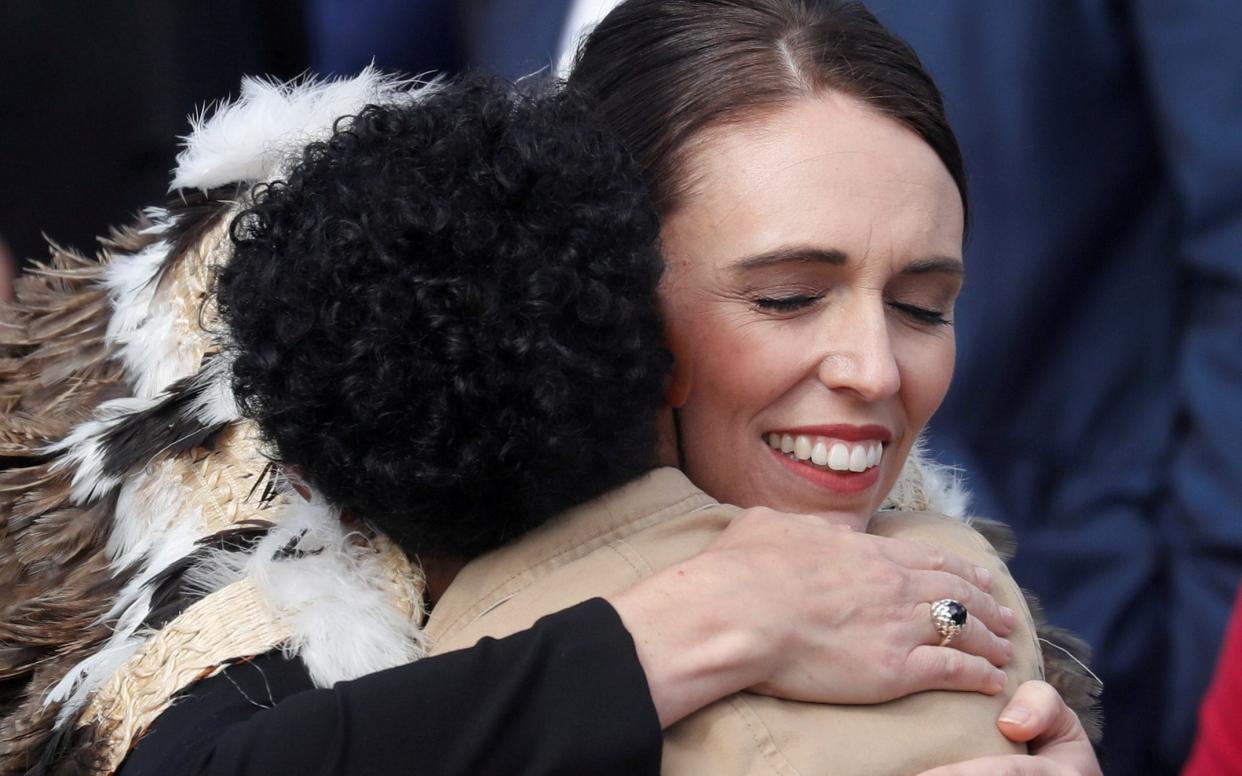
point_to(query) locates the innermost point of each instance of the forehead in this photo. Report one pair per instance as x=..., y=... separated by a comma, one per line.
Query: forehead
x=826, y=171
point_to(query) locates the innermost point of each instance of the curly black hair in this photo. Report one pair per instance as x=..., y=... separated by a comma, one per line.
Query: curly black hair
x=446, y=318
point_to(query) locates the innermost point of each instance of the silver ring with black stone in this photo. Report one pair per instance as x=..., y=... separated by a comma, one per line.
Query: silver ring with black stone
x=949, y=617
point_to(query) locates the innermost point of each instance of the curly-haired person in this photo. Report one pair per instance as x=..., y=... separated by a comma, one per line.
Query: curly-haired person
x=417, y=308
x=444, y=320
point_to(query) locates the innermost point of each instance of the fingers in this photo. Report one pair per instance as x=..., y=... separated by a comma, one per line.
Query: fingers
x=926, y=557
x=944, y=668
x=1011, y=765
x=974, y=639
x=936, y=585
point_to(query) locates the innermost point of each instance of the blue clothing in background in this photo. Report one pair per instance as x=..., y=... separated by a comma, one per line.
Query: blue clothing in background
x=408, y=36
x=1097, y=403
x=516, y=37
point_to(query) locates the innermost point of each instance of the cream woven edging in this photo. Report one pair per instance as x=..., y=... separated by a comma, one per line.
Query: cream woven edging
x=231, y=623
x=223, y=480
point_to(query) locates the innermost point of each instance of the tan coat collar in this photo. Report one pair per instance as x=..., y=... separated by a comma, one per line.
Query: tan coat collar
x=492, y=578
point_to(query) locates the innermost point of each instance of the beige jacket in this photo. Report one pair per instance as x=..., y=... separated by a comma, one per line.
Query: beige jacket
x=608, y=545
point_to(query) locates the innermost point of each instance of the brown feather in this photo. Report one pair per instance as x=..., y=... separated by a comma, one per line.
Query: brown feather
x=56, y=581
x=55, y=366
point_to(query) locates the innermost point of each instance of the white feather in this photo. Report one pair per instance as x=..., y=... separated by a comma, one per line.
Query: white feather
x=925, y=485
x=75, y=688
x=215, y=402
x=947, y=493
x=135, y=328
x=344, y=617
x=154, y=511
x=82, y=449
x=157, y=339
x=250, y=138
x=130, y=610
x=143, y=327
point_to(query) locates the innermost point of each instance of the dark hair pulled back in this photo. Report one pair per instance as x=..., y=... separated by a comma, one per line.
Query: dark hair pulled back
x=666, y=70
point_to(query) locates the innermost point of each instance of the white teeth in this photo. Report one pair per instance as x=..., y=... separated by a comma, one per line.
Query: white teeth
x=858, y=459
x=832, y=454
x=839, y=458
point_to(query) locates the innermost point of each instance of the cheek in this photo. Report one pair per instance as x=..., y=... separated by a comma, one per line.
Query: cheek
x=738, y=369
x=926, y=364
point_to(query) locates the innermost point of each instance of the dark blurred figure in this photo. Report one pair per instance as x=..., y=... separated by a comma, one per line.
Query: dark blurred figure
x=518, y=37
x=95, y=94
x=410, y=36
x=1095, y=406
x=1100, y=336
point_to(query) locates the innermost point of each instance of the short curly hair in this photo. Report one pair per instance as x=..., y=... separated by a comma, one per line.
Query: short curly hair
x=445, y=317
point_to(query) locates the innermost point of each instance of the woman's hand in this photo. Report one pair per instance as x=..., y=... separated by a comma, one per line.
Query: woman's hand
x=788, y=605
x=1059, y=746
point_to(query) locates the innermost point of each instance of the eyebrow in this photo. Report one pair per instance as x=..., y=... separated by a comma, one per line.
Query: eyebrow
x=799, y=255
x=940, y=264
x=805, y=255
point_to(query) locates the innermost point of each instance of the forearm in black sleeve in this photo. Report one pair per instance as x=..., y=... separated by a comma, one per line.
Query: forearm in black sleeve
x=567, y=696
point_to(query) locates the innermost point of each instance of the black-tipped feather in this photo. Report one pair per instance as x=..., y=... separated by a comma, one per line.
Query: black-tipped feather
x=171, y=595
x=170, y=427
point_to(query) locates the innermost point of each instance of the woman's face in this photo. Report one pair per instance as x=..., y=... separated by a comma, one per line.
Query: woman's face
x=812, y=272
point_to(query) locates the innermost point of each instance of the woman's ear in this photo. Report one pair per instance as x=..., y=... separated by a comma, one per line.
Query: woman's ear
x=677, y=390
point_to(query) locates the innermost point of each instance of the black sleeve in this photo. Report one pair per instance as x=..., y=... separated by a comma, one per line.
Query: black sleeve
x=567, y=696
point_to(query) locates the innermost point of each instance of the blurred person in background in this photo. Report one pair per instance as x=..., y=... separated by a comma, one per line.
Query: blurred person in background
x=103, y=90
x=1095, y=404
x=411, y=36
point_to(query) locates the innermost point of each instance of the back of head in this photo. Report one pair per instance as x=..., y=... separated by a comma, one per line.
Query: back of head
x=664, y=71
x=445, y=317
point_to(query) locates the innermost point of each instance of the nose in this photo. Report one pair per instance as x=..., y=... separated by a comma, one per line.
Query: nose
x=858, y=355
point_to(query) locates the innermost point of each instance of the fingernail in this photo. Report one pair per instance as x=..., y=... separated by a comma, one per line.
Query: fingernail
x=1015, y=715
x=999, y=680
x=984, y=577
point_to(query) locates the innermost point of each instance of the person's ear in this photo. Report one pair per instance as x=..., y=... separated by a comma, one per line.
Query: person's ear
x=677, y=390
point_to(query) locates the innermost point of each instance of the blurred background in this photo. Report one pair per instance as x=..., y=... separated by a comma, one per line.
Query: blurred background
x=1096, y=402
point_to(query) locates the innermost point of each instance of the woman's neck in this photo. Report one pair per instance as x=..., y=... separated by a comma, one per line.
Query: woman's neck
x=439, y=574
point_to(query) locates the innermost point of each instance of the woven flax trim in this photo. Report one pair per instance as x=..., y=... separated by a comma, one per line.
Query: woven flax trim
x=225, y=481
x=230, y=623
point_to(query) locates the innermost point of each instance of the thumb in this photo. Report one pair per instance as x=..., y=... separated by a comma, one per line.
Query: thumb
x=1037, y=712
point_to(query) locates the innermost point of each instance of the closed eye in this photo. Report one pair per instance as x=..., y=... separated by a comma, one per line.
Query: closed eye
x=786, y=304
x=921, y=315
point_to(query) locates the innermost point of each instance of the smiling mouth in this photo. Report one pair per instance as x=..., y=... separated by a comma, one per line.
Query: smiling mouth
x=826, y=453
